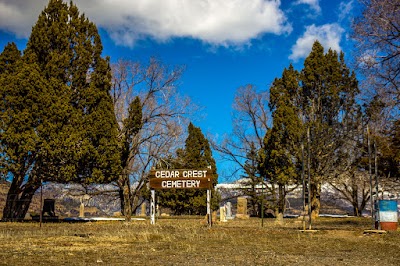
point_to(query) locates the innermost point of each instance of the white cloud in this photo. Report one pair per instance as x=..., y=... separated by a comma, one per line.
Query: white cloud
x=18, y=16
x=219, y=22
x=329, y=35
x=314, y=4
x=345, y=9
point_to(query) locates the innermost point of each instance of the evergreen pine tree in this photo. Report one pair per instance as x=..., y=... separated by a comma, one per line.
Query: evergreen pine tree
x=24, y=105
x=395, y=158
x=72, y=135
x=196, y=155
x=328, y=102
x=9, y=57
x=280, y=158
x=252, y=180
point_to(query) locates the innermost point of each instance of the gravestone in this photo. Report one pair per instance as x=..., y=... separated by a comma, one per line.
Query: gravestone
x=48, y=207
x=82, y=210
x=143, y=209
x=228, y=208
x=222, y=214
x=241, y=212
x=214, y=217
x=48, y=211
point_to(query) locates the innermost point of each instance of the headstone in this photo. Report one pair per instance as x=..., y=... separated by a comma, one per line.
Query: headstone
x=222, y=214
x=117, y=214
x=143, y=209
x=48, y=207
x=241, y=212
x=214, y=217
x=82, y=210
x=158, y=212
x=228, y=208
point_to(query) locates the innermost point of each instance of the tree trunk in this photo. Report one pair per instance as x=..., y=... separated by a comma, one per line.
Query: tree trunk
x=364, y=201
x=121, y=198
x=127, y=200
x=125, y=196
x=280, y=204
x=356, y=211
x=315, y=199
x=135, y=203
x=18, y=200
x=254, y=202
x=282, y=199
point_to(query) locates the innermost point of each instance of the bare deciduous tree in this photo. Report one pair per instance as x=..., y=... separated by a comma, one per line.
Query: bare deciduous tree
x=250, y=123
x=164, y=116
x=377, y=33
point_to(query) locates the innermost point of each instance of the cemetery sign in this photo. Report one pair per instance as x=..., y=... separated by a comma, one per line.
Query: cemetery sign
x=181, y=178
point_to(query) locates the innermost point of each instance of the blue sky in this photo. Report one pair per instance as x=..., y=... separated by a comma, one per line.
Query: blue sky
x=224, y=44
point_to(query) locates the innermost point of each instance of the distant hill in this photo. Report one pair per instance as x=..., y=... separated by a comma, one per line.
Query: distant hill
x=104, y=200
x=331, y=202
x=68, y=199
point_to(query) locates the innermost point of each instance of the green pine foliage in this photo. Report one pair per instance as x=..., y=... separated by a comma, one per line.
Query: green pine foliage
x=395, y=155
x=280, y=157
x=329, y=108
x=9, y=57
x=131, y=126
x=196, y=155
x=59, y=117
x=23, y=107
x=321, y=99
x=251, y=180
x=83, y=146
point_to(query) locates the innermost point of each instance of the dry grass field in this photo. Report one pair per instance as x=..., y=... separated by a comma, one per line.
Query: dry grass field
x=190, y=242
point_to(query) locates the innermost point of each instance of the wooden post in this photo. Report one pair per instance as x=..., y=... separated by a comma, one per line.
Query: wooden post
x=309, y=179
x=377, y=219
x=209, y=207
x=304, y=185
x=370, y=177
x=41, y=203
x=262, y=201
x=153, y=207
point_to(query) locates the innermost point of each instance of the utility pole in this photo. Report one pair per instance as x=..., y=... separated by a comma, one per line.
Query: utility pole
x=370, y=177
x=41, y=203
x=376, y=187
x=309, y=178
x=304, y=185
x=262, y=202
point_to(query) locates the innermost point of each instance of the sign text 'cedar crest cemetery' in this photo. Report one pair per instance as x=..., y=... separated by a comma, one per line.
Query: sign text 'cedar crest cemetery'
x=181, y=178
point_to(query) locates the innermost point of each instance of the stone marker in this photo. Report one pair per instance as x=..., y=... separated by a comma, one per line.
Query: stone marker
x=82, y=210
x=117, y=214
x=143, y=209
x=214, y=217
x=241, y=212
x=228, y=208
x=48, y=207
x=222, y=214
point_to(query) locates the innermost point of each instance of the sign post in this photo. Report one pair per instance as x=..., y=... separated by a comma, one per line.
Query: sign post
x=209, y=207
x=180, y=179
x=153, y=207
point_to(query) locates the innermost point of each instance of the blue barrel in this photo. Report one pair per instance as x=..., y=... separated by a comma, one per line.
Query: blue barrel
x=388, y=215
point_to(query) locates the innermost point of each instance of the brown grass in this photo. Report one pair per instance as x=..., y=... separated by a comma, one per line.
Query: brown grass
x=190, y=242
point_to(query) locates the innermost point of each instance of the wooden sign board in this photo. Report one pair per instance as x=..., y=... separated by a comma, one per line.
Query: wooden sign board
x=181, y=179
